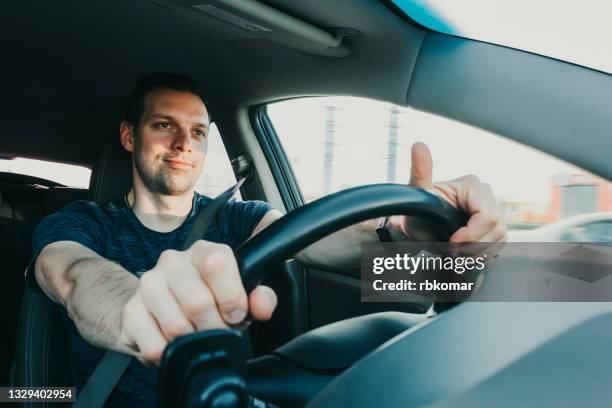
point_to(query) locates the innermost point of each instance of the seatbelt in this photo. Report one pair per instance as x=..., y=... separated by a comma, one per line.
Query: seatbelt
x=109, y=371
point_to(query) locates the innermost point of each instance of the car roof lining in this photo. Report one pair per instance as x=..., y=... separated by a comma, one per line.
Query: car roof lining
x=71, y=64
x=68, y=66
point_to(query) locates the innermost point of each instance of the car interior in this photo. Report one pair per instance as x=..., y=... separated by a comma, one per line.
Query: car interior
x=67, y=68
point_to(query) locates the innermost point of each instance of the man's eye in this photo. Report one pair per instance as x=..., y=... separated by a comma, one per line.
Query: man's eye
x=163, y=125
x=200, y=133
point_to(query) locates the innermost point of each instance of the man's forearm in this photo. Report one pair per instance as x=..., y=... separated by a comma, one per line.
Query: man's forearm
x=93, y=290
x=342, y=249
x=100, y=289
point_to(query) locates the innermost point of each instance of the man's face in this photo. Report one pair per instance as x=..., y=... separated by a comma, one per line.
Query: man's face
x=170, y=142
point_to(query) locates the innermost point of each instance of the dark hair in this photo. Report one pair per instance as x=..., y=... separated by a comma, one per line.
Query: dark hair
x=145, y=84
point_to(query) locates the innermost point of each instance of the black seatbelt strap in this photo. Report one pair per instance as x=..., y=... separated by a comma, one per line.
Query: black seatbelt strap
x=107, y=374
x=103, y=380
x=208, y=214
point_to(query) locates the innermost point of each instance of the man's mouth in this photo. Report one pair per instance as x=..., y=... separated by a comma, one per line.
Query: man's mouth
x=178, y=164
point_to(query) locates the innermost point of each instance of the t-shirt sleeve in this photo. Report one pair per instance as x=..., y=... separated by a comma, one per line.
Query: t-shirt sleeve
x=241, y=218
x=78, y=222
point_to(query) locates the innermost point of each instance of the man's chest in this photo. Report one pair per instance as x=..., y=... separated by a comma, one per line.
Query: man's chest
x=138, y=250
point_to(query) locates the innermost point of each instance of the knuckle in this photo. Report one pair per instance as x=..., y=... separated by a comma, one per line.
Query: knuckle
x=487, y=187
x=203, y=245
x=489, y=223
x=500, y=232
x=152, y=355
x=226, y=249
x=491, y=220
x=148, y=282
x=169, y=257
x=177, y=328
x=194, y=306
x=218, y=259
x=199, y=245
x=233, y=300
x=494, y=219
x=472, y=179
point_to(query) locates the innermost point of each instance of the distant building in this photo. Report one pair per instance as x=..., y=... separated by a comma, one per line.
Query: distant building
x=573, y=194
x=520, y=214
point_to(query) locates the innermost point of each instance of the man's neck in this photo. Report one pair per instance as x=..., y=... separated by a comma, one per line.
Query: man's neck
x=162, y=213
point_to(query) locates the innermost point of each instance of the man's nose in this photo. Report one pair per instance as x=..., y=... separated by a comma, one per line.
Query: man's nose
x=182, y=140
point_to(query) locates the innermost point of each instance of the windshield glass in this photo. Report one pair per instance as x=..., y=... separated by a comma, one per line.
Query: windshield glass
x=573, y=31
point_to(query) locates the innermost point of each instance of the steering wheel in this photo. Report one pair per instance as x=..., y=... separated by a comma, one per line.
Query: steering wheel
x=303, y=226
x=223, y=351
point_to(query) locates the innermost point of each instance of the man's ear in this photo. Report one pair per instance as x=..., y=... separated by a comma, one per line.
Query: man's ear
x=126, y=135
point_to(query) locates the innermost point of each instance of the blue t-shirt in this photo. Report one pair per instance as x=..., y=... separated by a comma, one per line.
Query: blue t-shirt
x=115, y=233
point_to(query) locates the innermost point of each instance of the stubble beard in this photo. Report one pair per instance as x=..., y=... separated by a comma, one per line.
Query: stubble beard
x=158, y=181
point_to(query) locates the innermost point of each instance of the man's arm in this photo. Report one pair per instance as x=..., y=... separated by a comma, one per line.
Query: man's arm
x=93, y=290
x=343, y=248
x=193, y=290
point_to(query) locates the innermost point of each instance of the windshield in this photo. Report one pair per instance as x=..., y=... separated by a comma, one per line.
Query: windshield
x=570, y=30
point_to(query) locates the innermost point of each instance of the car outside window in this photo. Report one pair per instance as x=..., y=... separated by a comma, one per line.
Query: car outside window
x=217, y=175
x=598, y=231
x=333, y=143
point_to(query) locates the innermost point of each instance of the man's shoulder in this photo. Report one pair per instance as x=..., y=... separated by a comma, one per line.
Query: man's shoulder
x=89, y=210
x=244, y=215
x=80, y=221
x=80, y=207
x=77, y=208
x=235, y=206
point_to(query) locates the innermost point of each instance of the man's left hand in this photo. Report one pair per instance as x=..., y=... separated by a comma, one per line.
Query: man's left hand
x=467, y=193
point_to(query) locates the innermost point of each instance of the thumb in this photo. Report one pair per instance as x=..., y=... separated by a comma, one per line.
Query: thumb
x=421, y=171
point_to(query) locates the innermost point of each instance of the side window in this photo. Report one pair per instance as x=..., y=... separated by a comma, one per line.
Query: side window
x=66, y=174
x=217, y=175
x=338, y=142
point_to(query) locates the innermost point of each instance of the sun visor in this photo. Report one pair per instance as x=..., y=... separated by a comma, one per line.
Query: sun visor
x=265, y=22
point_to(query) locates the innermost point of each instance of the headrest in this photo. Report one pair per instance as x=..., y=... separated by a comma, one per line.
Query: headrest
x=113, y=174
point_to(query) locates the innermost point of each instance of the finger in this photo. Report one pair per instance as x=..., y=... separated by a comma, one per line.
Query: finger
x=468, y=248
x=164, y=307
x=262, y=302
x=196, y=300
x=480, y=203
x=477, y=227
x=418, y=229
x=496, y=234
x=487, y=249
x=243, y=325
x=142, y=331
x=421, y=170
x=218, y=268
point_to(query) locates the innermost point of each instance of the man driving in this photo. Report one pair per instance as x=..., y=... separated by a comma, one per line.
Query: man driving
x=117, y=270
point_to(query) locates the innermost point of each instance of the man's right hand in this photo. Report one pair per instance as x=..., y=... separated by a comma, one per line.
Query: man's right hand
x=193, y=290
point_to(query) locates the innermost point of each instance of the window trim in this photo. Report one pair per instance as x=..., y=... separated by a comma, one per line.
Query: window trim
x=279, y=165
